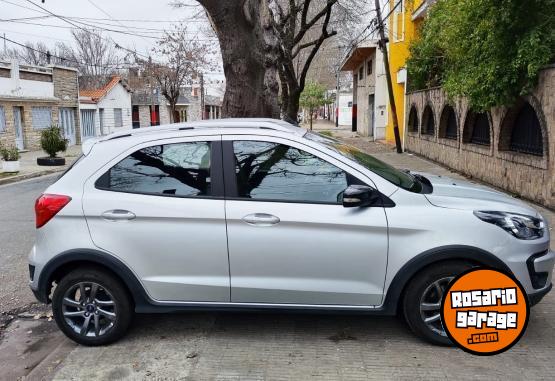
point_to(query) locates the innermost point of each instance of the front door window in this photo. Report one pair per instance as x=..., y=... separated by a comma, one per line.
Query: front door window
x=277, y=172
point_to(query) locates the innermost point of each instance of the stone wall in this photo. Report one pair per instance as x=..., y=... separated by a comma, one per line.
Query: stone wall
x=65, y=90
x=529, y=176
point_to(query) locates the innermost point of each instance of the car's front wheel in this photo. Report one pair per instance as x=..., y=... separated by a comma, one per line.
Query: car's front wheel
x=92, y=307
x=423, y=296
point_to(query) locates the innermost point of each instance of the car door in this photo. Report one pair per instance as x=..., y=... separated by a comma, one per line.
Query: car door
x=290, y=239
x=159, y=207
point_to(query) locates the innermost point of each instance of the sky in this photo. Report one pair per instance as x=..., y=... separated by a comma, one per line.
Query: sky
x=146, y=18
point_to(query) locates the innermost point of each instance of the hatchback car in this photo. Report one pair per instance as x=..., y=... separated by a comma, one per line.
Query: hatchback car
x=259, y=214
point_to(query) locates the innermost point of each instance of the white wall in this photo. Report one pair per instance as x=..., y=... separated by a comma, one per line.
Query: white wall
x=345, y=109
x=117, y=97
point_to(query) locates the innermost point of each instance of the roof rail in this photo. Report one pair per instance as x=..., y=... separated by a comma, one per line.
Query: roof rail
x=261, y=123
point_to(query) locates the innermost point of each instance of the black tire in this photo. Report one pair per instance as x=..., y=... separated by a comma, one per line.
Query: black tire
x=422, y=288
x=111, y=289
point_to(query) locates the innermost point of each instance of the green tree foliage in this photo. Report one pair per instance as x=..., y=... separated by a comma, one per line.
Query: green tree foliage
x=312, y=97
x=489, y=51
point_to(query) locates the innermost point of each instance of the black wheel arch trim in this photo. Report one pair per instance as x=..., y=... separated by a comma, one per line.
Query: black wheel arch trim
x=439, y=254
x=101, y=258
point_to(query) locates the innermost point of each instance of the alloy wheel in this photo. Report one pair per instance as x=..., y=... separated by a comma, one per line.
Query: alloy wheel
x=89, y=309
x=430, y=305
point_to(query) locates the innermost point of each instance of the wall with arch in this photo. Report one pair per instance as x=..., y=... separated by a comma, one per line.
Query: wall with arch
x=520, y=161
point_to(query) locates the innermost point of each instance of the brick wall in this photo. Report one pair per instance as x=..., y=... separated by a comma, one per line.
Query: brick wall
x=529, y=176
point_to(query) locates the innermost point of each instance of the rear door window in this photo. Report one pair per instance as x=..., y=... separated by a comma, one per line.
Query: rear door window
x=180, y=170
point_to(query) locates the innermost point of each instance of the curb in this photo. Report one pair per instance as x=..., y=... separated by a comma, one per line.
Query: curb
x=17, y=178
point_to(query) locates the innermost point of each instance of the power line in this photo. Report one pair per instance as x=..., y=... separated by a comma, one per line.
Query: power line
x=63, y=59
x=83, y=29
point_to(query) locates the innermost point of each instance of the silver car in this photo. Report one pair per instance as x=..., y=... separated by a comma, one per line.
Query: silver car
x=259, y=214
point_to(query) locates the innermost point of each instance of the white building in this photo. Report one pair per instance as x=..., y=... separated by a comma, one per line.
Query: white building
x=345, y=109
x=105, y=110
x=365, y=61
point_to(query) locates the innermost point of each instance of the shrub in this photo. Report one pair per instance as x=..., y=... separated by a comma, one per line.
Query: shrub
x=9, y=153
x=52, y=142
x=489, y=51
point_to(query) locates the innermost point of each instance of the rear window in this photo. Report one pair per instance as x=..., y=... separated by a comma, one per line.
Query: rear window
x=180, y=170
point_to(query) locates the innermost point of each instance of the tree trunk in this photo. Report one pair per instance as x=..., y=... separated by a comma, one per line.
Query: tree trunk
x=249, y=51
x=291, y=108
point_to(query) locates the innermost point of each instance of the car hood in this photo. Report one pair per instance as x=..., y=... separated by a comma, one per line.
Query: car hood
x=465, y=195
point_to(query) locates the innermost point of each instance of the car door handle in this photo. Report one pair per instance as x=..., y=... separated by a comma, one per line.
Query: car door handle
x=261, y=219
x=118, y=215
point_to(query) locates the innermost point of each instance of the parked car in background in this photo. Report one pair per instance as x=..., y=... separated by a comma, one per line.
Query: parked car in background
x=259, y=214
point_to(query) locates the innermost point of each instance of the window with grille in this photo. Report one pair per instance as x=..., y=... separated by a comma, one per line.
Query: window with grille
x=2, y=119
x=413, y=120
x=449, y=122
x=428, y=123
x=526, y=136
x=481, y=129
x=118, y=117
x=42, y=117
x=369, y=67
x=361, y=73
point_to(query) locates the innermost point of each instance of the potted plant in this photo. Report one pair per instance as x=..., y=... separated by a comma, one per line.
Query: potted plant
x=11, y=159
x=52, y=142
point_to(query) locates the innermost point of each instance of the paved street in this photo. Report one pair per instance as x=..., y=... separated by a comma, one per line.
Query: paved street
x=244, y=346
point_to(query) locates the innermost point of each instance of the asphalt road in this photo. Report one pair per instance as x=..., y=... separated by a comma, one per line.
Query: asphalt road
x=17, y=233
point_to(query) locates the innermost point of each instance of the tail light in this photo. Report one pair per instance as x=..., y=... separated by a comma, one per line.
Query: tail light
x=47, y=206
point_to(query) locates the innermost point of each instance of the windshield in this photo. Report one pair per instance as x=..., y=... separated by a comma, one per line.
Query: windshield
x=402, y=179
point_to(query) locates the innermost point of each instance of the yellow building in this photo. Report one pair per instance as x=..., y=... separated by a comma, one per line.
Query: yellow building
x=403, y=25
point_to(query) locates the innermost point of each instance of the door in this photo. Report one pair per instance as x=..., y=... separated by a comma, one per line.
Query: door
x=101, y=121
x=87, y=124
x=67, y=123
x=159, y=207
x=18, y=124
x=371, y=117
x=290, y=239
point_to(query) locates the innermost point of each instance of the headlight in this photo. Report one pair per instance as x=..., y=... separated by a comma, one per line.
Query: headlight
x=519, y=225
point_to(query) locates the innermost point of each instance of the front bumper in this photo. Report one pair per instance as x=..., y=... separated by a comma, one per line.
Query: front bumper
x=536, y=297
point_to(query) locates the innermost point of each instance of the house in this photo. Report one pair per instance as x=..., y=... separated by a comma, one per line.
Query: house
x=153, y=109
x=36, y=97
x=149, y=108
x=105, y=109
x=369, y=108
x=404, y=23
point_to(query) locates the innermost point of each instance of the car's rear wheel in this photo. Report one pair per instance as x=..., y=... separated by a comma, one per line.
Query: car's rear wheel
x=92, y=307
x=423, y=296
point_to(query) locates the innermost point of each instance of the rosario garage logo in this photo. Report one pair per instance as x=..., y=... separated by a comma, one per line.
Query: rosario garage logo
x=485, y=311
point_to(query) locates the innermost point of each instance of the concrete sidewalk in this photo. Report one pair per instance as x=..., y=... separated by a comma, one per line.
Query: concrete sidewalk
x=30, y=169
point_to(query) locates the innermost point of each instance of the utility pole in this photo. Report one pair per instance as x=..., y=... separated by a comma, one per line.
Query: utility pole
x=336, y=111
x=383, y=47
x=152, y=104
x=201, y=96
x=5, y=49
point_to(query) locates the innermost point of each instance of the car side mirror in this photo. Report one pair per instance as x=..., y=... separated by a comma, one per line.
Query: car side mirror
x=360, y=196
